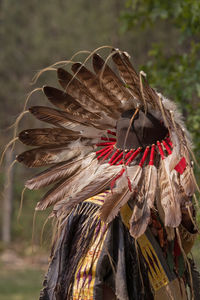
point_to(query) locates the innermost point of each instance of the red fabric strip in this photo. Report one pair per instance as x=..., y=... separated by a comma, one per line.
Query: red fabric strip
x=160, y=150
x=102, y=150
x=113, y=156
x=107, y=155
x=133, y=156
x=103, y=153
x=111, y=132
x=144, y=156
x=126, y=156
x=169, y=142
x=105, y=144
x=116, y=159
x=151, y=161
x=169, y=151
x=108, y=139
x=117, y=177
x=180, y=167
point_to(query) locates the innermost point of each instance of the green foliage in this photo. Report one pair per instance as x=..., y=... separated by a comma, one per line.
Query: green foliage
x=177, y=76
x=184, y=14
x=173, y=68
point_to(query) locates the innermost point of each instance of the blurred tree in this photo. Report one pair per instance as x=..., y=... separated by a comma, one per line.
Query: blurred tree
x=7, y=200
x=173, y=67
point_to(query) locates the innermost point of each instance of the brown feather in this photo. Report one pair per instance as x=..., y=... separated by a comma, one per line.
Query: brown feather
x=48, y=155
x=144, y=202
x=150, y=181
x=169, y=200
x=114, y=200
x=74, y=110
x=55, y=173
x=132, y=79
x=56, y=117
x=93, y=85
x=141, y=214
x=187, y=181
x=94, y=187
x=121, y=193
x=128, y=74
x=64, y=188
x=58, y=192
x=149, y=93
x=47, y=136
x=187, y=178
x=78, y=91
x=67, y=103
x=111, y=82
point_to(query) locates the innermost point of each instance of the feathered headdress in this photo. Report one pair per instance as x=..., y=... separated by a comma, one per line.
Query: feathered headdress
x=110, y=132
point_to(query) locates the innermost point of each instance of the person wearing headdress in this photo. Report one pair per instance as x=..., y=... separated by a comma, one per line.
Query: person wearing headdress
x=119, y=158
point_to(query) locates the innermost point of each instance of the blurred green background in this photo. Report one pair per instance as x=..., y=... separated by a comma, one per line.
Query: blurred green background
x=163, y=39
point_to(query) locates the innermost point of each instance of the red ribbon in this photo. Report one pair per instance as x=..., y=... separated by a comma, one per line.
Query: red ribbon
x=180, y=167
x=151, y=161
x=144, y=156
x=160, y=150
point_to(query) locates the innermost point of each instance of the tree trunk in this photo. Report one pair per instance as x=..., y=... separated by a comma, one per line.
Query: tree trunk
x=7, y=198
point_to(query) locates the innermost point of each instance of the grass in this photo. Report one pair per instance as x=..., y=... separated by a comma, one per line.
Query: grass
x=20, y=284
